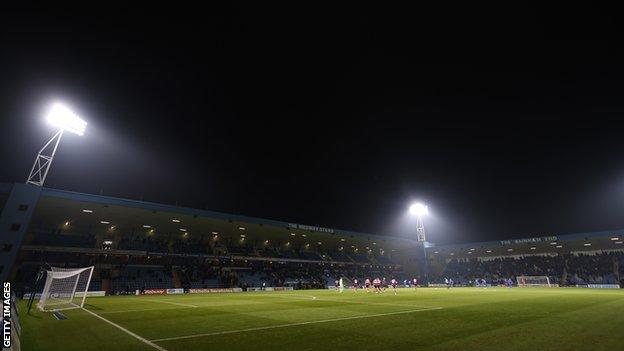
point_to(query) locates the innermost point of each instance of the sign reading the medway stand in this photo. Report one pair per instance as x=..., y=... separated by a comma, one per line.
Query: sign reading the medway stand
x=529, y=240
x=310, y=227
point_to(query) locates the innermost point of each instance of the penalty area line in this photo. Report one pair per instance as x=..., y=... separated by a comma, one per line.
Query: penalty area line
x=171, y=303
x=142, y=339
x=324, y=299
x=294, y=324
x=146, y=309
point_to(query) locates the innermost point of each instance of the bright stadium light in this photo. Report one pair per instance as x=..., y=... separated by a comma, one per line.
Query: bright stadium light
x=418, y=209
x=64, y=119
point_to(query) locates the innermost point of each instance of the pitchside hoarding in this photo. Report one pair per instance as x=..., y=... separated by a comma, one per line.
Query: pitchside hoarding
x=212, y=291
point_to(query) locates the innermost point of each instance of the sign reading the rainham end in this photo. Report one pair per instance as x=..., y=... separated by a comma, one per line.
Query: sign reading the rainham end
x=529, y=240
x=310, y=227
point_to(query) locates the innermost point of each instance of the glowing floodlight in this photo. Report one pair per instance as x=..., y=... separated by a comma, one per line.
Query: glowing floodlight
x=62, y=117
x=418, y=209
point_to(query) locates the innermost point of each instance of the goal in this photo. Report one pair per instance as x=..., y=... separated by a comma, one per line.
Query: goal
x=65, y=288
x=533, y=280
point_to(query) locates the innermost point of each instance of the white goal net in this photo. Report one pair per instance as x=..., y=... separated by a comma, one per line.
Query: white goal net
x=533, y=280
x=65, y=288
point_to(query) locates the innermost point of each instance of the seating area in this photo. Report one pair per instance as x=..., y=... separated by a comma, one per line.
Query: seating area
x=340, y=256
x=563, y=269
x=310, y=255
x=143, y=244
x=253, y=279
x=201, y=245
x=383, y=260
x=160, y=261
x=360, y=258
x=133, y=278
x=67, y=240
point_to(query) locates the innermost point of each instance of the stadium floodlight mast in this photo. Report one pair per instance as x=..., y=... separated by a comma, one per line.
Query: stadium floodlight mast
x=61, y=117
x=419, y=210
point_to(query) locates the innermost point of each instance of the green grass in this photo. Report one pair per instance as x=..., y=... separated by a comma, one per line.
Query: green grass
x=429, y=319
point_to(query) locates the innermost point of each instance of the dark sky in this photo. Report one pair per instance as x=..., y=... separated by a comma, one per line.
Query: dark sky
x=507, y=121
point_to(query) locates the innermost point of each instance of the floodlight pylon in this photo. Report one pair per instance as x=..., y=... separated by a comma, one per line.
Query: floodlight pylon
x=44, y=159
x=419, y=210
x=420, y=229
x=63, y=118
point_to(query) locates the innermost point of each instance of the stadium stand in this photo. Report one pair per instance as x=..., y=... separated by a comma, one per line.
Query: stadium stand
x=136, y=245
x=563, y=269
x=360, y=258
x=132, y=278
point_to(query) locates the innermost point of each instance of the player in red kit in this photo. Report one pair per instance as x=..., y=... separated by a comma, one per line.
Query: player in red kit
x=367, y=284
x=377, y=285
x=356, y=285
x=394, y=283
x=415, y=282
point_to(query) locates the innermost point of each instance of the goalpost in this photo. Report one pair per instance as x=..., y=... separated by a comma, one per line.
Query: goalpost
x=65, y=288
x=533, y=280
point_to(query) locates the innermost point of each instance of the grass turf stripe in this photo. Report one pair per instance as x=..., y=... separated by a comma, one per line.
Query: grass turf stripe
x=294, y=324
x=171, y=303
x=157, y=347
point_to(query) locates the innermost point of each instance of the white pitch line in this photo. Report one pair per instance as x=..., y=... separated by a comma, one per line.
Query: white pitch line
x=171, y=303
x=306, y=297
x=159, y=348
x=293, y=324
x=372, y=303
x=144, y=309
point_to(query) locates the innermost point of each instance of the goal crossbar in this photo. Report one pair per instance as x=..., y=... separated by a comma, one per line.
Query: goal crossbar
x=533, y=280
x=65, y=288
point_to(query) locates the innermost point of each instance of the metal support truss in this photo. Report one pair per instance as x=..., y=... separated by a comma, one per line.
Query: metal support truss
x=44, y=159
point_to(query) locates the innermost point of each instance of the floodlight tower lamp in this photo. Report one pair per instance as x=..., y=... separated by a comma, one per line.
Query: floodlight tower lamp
x=419, y=210
x=64, y=119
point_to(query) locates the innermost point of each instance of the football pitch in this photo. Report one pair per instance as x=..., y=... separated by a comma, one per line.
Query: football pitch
x=427, y=319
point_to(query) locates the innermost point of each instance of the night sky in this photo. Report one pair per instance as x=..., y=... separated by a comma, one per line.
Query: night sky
x=506, y=121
